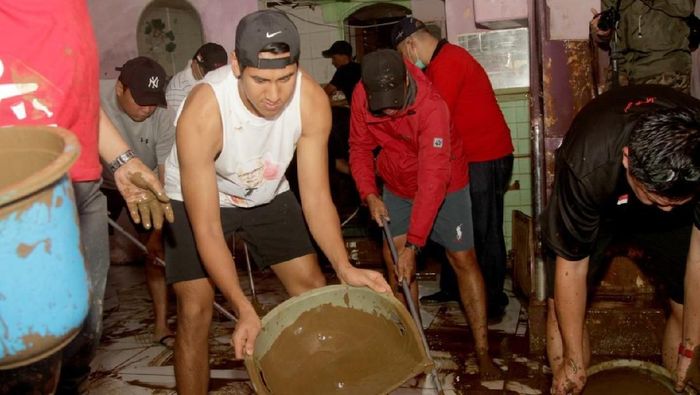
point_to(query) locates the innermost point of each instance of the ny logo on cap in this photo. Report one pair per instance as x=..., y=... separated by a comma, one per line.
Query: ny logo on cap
x=153, y=82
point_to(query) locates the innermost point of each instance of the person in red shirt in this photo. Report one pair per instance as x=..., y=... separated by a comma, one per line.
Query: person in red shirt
x=465, y=87
x=426, y=189
x=49, y=76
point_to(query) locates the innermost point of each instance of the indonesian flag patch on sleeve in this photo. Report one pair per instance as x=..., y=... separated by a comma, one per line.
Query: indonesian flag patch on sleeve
x=437, y=142
x=623, y=199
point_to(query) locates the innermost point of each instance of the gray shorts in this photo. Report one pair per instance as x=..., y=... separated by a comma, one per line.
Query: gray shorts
x=453, y=227
x=275, y=233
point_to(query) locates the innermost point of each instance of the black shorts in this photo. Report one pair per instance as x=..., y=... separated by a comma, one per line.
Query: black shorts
x=663, y=236
x=274, y=232
x=115, y=205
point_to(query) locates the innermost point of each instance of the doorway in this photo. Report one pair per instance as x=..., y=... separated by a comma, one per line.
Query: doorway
x=369, y=28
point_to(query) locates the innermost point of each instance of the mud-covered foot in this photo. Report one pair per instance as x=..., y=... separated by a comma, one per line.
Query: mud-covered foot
x=488, y=371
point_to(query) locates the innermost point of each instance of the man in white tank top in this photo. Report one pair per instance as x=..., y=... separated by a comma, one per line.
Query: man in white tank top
x=236, y=135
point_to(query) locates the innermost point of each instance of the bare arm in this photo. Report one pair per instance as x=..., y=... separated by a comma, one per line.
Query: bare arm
x=570, y=301
x=329, y=89
x=139, y=186
x=691, y=307
x=199, y=140
x=318, y=207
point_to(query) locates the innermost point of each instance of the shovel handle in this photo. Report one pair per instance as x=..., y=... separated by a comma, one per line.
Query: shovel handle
x=409, y=301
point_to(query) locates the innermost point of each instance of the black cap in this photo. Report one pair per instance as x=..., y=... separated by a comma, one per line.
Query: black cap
x=261, y=28
x=211, y=56
x=384, y=78
x=340, y=47
x=404, y=28
x=145, y=79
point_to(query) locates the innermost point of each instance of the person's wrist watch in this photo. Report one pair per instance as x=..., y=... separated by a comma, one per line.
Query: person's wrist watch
x=121, y=160
x=412, y=246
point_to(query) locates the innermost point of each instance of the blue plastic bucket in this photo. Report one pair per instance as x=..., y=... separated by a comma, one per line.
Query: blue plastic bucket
x=44, y=288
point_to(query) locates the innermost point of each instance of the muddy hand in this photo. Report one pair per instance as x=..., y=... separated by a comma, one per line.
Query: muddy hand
x=570, y=378
x=247, y=329
x=406, y=266
x=153, y=207
x=363, y=278
x=377, y=209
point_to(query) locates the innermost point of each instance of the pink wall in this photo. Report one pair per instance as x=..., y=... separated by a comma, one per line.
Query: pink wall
x=115, y=26
x=568, y=19
x=460, y=18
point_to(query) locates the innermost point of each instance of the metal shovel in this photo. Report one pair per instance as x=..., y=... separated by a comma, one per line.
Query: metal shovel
x=409, y=301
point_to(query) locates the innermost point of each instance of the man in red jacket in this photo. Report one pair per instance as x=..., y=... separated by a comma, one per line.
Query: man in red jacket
x=426, y=190
x=465, y=87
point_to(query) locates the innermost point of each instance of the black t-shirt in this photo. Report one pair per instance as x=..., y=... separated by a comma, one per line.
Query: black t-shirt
x=345, y=78
x=590, y=181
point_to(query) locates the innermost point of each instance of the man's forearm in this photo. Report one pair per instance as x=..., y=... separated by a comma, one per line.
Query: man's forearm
x=219, y=263
x=570, y=301
x=111, y=144
x=324, y=224
x=691, y=310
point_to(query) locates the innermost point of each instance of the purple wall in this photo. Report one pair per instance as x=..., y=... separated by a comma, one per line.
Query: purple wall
x=115, y=26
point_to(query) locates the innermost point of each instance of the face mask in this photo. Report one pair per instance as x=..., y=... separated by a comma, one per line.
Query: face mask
x=419, y=63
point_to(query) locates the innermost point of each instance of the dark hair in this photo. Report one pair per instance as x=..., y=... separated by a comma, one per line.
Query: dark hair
x=664, y=153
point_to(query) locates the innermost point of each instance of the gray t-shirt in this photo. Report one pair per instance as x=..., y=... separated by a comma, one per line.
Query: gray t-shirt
x=151, y=140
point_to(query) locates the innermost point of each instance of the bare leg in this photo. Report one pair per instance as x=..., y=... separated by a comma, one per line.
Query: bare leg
x=473, y=295
x=195, y=300
x=155, y=280
x=300, y=274
x=672, y=336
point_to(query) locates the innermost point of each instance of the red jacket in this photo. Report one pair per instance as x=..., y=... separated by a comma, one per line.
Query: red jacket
x=48, y=48
x=466, y=88
x=421, y=157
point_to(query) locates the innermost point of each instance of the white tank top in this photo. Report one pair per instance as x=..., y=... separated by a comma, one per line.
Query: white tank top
x=256, y=152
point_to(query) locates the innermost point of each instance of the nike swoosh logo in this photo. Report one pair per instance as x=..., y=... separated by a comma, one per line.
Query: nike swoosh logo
x=270, y=35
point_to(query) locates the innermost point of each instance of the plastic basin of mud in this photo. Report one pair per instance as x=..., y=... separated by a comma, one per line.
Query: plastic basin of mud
x=629, y=376
x=44, y=288
x=337, y=339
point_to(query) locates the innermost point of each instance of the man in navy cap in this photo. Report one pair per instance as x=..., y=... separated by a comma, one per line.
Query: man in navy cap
x=236, y=134
x=425, y=191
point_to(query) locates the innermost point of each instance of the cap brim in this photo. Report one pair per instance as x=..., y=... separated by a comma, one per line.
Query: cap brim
x=327, y=53
x=151, y=99
x=386, y=99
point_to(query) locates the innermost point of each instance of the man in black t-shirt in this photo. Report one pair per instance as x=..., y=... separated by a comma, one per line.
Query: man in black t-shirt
x=628, y=168
x=347, y=72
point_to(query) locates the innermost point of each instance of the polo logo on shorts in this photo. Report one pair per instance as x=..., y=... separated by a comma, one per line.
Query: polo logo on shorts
x=458, y=232
x=437, y=142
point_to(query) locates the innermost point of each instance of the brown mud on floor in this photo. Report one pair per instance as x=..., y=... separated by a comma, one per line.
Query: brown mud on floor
x=129, y=363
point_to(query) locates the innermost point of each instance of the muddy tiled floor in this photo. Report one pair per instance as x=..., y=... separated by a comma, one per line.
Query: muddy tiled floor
x=129, y=363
